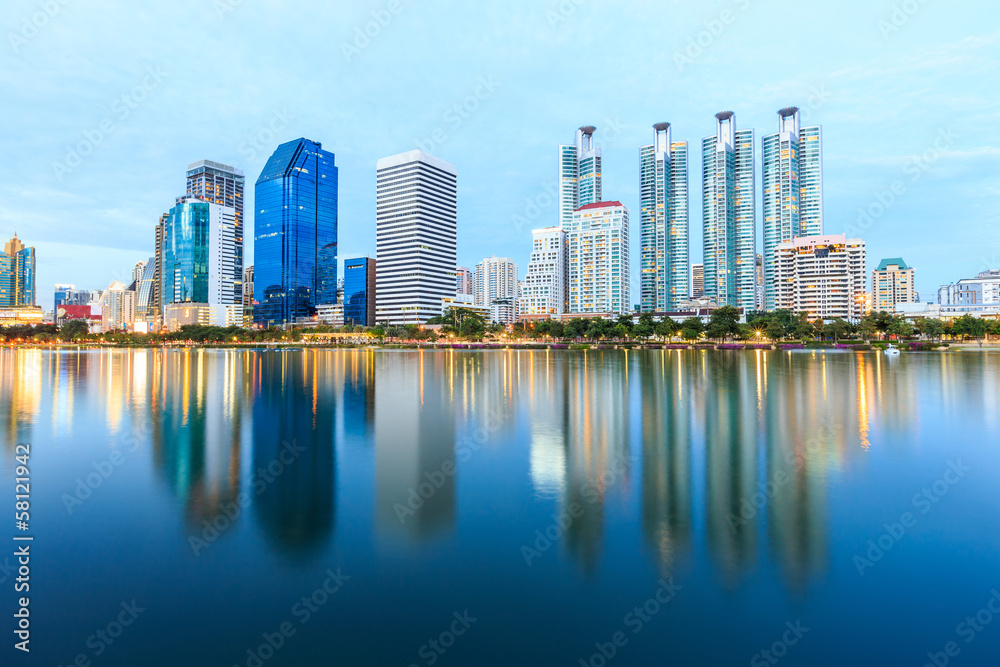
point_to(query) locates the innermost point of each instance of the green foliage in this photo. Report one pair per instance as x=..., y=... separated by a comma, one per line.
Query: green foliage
x=723, y=323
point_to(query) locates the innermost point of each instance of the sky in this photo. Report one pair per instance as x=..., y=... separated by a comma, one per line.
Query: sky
x=107, y=102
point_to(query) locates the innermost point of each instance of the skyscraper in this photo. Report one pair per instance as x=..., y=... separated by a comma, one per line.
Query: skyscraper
x=545, y=286
x=416, y=213
x=199, y=271
x=145, y=311
x=359, y=291
x=295, y=233
x=598, y=242
x=664, y=224
x=729, y=214
x=496, y=288
x=579, y=174
x=220, y=184
x=793, y=189
x=17, y=275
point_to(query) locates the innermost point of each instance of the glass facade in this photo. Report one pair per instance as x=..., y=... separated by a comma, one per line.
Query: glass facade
x=145, y=310
x=295, y=233
x=184, y=276
x=359, y=291
x=17, y=275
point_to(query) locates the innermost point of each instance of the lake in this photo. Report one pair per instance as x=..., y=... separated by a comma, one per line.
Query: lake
x=405, y=507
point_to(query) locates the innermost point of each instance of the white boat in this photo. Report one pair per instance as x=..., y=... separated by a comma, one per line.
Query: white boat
x=892, y=350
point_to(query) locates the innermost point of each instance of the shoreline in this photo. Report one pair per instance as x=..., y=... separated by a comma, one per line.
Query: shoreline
x=877, y=346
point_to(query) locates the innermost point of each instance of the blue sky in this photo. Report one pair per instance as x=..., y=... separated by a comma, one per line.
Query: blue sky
x=906, y=93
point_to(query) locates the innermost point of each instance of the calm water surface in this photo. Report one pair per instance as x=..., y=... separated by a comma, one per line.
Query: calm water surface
x=513, y=508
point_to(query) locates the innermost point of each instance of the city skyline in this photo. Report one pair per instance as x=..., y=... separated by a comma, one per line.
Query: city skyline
x=922, y=139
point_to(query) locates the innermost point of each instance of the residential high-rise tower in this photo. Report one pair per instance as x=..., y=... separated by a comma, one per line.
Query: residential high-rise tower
x=792, y=180
x=729, y=214
x=579, y=174
x=664, y=224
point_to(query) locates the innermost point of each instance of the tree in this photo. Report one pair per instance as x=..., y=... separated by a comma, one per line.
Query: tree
x=803, y=327
x=837, y=329
x=971, y=327
x=642, y=331
x=668, y=328
x=775, y=330
x=74, y=329
x=932, y=329
x=723, y=323
x=692, y=328
x=577, y=327
x=901, y=327
x=625, y=321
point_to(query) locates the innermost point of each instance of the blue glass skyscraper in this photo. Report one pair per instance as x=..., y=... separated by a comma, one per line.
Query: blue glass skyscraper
x=295, y=233
x=17, y=275
x=359, y=291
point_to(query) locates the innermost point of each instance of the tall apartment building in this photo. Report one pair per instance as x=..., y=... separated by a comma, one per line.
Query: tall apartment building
x=545, y=282
x=416, y=236
x=359, y=291
x=199, y=274
x=729, y=216
x=697, y=281
x=892, y=283
x=664, y=222
x=598, y=241
x=579, y=174
x=823, y=276
x=144, y=312
x=295, y=233
x=792, y=190
x=496, y=288
x=463, y=280
x=17, y=275
x=220, y=184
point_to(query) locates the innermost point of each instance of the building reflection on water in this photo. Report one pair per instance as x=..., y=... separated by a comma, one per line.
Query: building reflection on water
x=736, y=447
x=415, y=466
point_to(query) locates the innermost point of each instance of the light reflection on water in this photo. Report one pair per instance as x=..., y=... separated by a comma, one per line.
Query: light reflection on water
x=750, y=475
